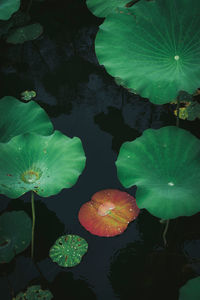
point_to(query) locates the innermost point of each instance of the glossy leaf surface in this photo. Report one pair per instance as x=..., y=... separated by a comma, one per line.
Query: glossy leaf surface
x=153, y=47
x=15, y=234
x=108, y=213
x=191, y=290
x=43, y=164
x=18, y=117
x=165, y=166
x=68, y=250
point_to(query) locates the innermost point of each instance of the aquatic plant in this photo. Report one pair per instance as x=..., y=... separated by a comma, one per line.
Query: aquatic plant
x=108, y=213
x=15, y=234
x=68, y=250
x=101, y=8
x=191, y=290
x=153, y=47
x=34, y=292
x=18, y=117
x=25, y=33
x=167, y=175
x=41, y=164
x=7, y=8
x=28, y=95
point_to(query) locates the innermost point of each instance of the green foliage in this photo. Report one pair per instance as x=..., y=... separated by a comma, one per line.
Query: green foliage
x=191, y=290
x=43, y=164
x=34, y=292
x=68, y=250
x=18, y=117
x=166, y=174
x=24, y=34
x=153, y=48
x=28, y=95
x=101, y=8
x=7, y=8
x=15, y=234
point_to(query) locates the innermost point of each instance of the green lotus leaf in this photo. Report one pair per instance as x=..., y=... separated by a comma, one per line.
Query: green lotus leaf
x=7, y=8
x=35, y=292
x=153, y=47
x=164, y=164
x=68, y=250
x=101, y=8
x=28, y=95
x=25, y=33
x=43, y=164
x=15, y=234
x=18, y=117
x=191, y=290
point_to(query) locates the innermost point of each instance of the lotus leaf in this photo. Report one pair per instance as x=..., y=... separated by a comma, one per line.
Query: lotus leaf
x=7, y=8
x=25, y=33
x=43, y=164
x=15, y=234
x=28, y=95
x=191, y=290
x=18, y=117
x=153, y=47
x=35, y=292
x=165, y=166
x=101, y=8
x=68, y=250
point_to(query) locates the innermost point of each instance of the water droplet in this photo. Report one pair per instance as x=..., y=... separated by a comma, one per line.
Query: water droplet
x=170, y=183
x=176, y=57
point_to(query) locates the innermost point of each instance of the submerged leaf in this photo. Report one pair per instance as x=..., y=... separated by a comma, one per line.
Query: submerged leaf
x=18, y=117
x=15, y=234
x=101, y=8
x=167, y=174
x=68, y=250
x=25, y=33
x=43, y=164
x=153, y=47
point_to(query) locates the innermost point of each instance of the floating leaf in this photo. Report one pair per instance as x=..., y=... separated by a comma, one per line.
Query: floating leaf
x=153, y=47
x=7, y=8
x=25, y=33
x=68, y=250
x=43, y=164
x=15, y=234
x=108, y=213
x=191, y=290
x=35, y=292
x=18, y=117
x=101, y=8
x=166, y=173
x=28, y=95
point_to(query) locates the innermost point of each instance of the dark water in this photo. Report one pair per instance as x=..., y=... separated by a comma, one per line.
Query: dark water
x=83, y=100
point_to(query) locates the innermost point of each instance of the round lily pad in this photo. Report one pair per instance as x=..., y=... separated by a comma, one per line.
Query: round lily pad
x=43, y=164
x=15, y=234
x=153, y=47
x=101, y=8
x=35, y=292
x=25, y=33
x=191, y=290
x=164, y=164
x=7, y=8
x=18, y=117
x=68, y=250
x=108, y=213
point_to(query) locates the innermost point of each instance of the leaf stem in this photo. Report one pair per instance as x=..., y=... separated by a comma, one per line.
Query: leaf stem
x=165, y=232
x=33, y=223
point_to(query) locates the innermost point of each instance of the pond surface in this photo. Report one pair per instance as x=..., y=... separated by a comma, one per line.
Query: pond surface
x=83, y=100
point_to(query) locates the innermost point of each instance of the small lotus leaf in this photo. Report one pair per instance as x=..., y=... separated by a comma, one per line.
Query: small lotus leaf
x=101, y=8
x=68, y=250
x=18, y=117
x=35, y=292
x=164, y=164
x=25, y=33
x=28, y=95
x=43, y=164
x=15, y=234
x=191, y=290
x=7, y=8
x=153, y=47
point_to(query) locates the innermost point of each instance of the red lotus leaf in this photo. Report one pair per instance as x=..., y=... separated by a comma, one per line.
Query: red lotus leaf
x=108, y=213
